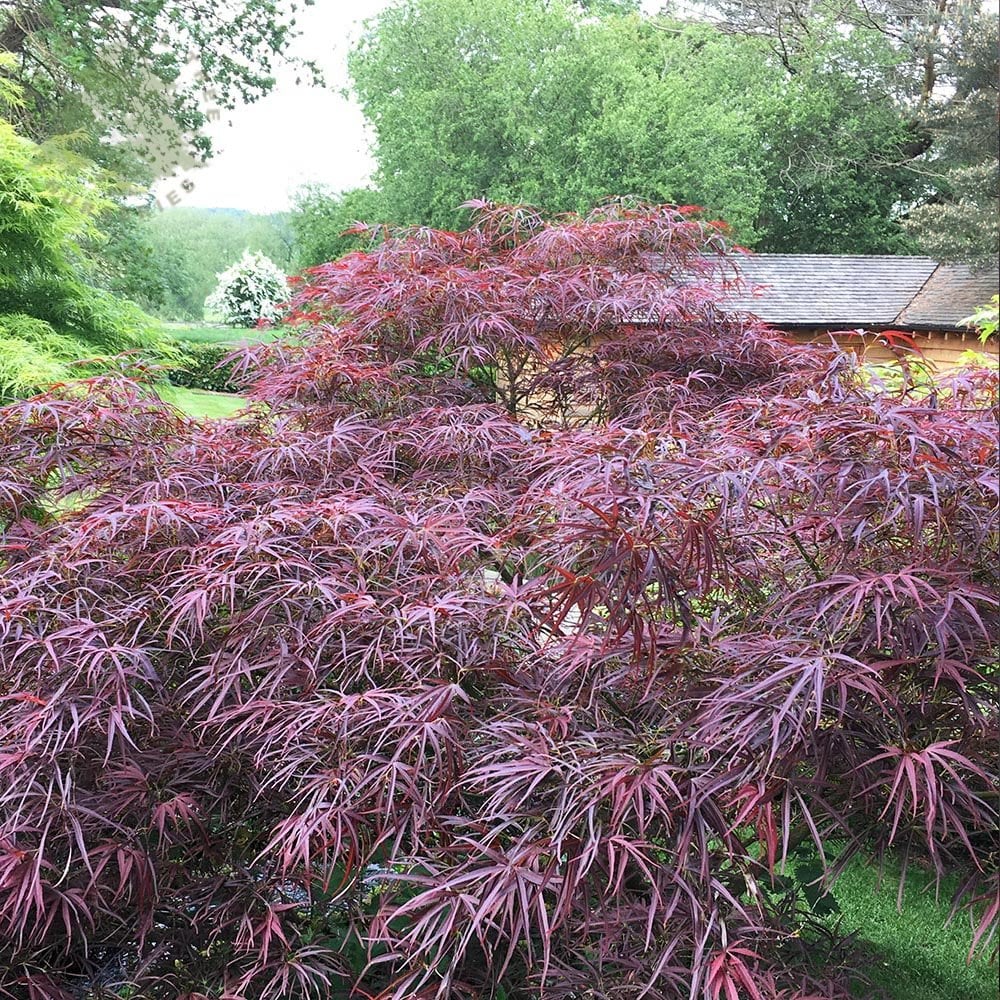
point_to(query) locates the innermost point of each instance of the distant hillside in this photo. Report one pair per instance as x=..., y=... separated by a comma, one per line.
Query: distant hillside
x=205, y=241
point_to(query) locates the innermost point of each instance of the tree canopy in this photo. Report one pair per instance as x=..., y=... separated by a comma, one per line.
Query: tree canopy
x=140, y=68
x=809, y=127
x=535, y=101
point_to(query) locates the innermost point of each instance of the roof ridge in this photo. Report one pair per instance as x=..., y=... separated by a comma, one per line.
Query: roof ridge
x=913, y=297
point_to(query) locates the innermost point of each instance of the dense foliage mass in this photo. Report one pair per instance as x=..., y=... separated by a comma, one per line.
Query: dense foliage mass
x=322, y=220
x=50, y=313
x=542, y=102
x=945, y=85
x=536, y=614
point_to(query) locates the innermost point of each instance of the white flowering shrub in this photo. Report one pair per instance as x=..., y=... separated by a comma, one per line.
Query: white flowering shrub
x=249, y=291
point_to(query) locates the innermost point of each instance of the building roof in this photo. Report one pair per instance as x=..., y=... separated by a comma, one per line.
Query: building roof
x=826, y=290
x=952, y=290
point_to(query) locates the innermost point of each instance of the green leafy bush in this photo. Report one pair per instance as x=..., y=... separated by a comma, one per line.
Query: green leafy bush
x=985, y=319
x=249, y=291
x=32, y=356
x=204, y=366
x=49, y=315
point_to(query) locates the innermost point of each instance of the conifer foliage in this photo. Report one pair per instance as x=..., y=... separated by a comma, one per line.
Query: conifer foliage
x=539, y=612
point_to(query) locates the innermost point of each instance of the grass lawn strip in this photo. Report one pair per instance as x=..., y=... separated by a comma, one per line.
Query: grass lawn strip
x=200, y=403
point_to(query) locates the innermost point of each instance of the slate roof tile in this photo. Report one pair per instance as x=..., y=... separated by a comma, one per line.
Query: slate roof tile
x=952, y=293
x=827, y=290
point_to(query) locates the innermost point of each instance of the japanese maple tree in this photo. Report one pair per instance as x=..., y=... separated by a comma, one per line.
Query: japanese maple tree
x=517, y=638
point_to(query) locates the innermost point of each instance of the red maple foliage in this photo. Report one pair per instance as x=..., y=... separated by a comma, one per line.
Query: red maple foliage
x=534, y=615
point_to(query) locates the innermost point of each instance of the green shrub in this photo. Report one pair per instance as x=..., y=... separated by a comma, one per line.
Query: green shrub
x=92, y=317
x=50, y=317
x=32, y=356
x=203, y=366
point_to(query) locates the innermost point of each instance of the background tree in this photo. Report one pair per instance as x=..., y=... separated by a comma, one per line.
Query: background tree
x=460, y=96
x=130, y=262
x=804, y=162
x=960, y=216
x=320, y=219
x=538, y=102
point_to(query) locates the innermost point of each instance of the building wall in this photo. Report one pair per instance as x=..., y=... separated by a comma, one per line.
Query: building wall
x=942, y=350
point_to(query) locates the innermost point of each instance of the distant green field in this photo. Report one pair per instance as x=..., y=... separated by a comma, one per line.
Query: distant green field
x=201, y=333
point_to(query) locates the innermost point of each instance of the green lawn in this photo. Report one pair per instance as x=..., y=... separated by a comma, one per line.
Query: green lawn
x=913, y=955
x=205, y=333
x=199, y=402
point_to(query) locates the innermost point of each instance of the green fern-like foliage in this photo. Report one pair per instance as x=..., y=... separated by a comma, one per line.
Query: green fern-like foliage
x=49, y=316
x=93, y=317
x=985, y=320
x=32, y=355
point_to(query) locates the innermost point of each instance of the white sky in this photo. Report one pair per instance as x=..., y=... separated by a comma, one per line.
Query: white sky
x=264, y=151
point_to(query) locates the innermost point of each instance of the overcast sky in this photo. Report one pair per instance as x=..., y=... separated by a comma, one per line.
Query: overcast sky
x=294, y=135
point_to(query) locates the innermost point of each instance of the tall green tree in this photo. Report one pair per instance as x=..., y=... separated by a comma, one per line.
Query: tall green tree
x=959, y=218
x=546, y=103
x=462, y=97
x=838, y=149
x=146, y=70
